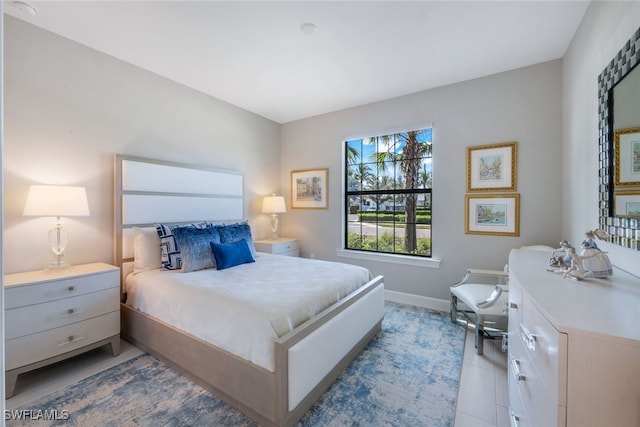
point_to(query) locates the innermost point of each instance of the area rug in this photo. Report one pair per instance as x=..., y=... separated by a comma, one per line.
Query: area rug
x=407, y=376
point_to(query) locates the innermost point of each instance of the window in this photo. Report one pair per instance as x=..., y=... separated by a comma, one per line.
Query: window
x=388, y=193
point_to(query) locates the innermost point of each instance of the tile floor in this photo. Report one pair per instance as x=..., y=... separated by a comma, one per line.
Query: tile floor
x=483, y=400
x=482, y=396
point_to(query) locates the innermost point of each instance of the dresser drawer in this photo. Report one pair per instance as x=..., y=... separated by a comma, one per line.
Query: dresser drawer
x=515, y=307
x=518, y=413
x=545, y=347
x=41, y=317
x=43, y=345
x=539, y=404
x=19, y=296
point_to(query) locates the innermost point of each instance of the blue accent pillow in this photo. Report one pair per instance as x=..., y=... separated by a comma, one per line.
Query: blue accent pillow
x=195, y=251
x=170, y=256
x=231, y=254
x=235, y=232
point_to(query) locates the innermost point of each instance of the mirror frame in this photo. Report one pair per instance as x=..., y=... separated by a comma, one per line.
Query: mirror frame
x=622, y=231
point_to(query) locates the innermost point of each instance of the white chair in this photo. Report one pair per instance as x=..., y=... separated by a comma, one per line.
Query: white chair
x=484, y=293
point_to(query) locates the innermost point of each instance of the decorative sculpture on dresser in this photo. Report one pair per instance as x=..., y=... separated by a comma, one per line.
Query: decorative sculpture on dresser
x=591, y=262
x=562, y=262
x=597, y=262
x=576, y=270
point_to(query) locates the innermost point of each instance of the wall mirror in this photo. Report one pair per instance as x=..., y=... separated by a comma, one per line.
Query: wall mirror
x=619, y=144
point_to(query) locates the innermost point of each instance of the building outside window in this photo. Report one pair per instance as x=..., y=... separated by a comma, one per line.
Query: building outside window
x=388, y=201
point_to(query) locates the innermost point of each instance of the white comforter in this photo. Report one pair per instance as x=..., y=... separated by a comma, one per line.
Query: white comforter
x=244, y=309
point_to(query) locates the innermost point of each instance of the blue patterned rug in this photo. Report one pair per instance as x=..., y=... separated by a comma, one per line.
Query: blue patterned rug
x=407, y=376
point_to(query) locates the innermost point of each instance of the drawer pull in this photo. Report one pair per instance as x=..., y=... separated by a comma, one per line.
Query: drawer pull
x=71, y=288
x=505, y=307
x=71, y=311
x=505, y=343
x=514, y=419
x=70, y=339
x=515, y=366
x=528, y=338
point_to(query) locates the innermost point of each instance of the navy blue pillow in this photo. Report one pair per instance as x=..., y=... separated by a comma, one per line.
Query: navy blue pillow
x=231, y=254
x=193, y=242
x=236, y=232
x=169, y=250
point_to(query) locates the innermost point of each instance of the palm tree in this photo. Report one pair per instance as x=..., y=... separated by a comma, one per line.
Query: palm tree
x=407, y=150
x=426, y=179
x=383, y=182
x=353, y=154
x=358, y=176
x=362, y=175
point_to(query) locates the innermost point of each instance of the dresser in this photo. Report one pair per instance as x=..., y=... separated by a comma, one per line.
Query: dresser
x=280, y=246
x=574, y=347
x=54, y=315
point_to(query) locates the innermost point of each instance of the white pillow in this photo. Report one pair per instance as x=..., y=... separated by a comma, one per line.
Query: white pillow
x=146, y=249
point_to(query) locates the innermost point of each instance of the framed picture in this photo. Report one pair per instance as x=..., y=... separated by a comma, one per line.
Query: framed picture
x=492, y=167
x=627, y=156
x=627, y=203
x=493, y=214
x=309, y=189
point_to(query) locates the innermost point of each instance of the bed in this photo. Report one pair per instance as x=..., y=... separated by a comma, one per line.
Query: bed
x=275, y=375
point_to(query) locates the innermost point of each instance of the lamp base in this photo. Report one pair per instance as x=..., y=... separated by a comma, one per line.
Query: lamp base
x=58, y=242
x=274, y=227
x=57, y=266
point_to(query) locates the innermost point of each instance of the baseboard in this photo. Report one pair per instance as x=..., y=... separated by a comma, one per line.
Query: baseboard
x=417, y=300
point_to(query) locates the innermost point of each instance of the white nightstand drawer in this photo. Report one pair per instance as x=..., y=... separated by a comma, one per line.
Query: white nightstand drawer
x=280, y=246
x=57, y=288
x=284, y=248
x=41, y=317
x=43, y=345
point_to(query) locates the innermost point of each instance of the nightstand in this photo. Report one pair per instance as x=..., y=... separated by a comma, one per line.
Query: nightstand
x=53, y=315
x=280, y=246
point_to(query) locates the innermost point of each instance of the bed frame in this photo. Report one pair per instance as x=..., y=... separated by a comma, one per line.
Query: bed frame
x=307, y=360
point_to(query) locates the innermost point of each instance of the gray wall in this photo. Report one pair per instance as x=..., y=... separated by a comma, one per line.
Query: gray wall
x=522, y=105
x=69, y=108
x=604, y=29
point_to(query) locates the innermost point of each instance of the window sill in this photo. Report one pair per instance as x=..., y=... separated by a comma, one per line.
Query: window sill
x=391, y=258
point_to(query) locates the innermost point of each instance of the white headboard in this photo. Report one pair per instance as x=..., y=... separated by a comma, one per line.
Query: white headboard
x=153, y=191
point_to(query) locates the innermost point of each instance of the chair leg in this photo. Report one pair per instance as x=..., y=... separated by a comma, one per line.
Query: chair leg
x=480, y=335
x=453, y=311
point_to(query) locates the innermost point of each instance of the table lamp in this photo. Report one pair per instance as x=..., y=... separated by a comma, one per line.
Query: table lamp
x=56, y=201
x=274, y=205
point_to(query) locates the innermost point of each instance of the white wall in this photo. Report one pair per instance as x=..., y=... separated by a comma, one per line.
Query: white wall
x=522, y=105
x=69, y=108
x=605, y=28
x=2, y=393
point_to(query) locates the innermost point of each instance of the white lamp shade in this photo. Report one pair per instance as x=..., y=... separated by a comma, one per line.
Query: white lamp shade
x=56, y=200
x=273, y=204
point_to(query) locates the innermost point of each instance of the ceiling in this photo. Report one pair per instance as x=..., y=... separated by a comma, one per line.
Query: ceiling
x=255, y=56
